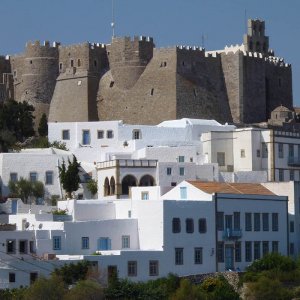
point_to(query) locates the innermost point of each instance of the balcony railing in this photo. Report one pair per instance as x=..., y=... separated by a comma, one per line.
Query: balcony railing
x=232, y=234
x=294, y=161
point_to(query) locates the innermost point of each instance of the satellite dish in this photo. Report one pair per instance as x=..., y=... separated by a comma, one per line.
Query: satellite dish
x=40, y=226
x=26, y=225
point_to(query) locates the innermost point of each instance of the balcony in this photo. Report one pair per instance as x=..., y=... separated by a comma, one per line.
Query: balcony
x=232, y=234
x=294, y=161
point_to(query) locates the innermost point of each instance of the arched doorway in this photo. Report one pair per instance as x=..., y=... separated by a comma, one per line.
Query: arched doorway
x=106, y=187
x=112, y=186
x=147, y=180
x=127, y=182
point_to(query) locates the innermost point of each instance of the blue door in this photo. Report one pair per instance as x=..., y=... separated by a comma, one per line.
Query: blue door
x=104, y=243
x=229, y=257
x=86, y=137
x=14, y=207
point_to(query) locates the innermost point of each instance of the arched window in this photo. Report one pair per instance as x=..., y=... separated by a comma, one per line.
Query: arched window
x=106, y=187
x=127, y=182
x=147, y=180
x=112, y=186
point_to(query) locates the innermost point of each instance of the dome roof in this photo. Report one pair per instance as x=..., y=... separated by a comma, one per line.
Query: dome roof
x=281, y=108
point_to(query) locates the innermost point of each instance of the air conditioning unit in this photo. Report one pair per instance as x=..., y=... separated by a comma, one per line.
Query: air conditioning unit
x=229, y=168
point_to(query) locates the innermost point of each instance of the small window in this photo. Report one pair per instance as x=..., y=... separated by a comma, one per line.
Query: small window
x=60, y=66
x=15, y=73
x=49, y=178
x=238, y=251
x=136, y=134
x=281, y=175
x=85, y=242
x=173, y=183
x=280, y=150
x=109, y=134
x=292, y=249
x=145, y=195
x=125, y=241
x=265, y=220
x=111, y=84
x=291, y=151
x=129, y=214
x=195, y=93
x=152, y=92
x=100, y=134
x=72, y=63
x=198, y=256
x=248, y=221
x=13, y=177
x=292, y=175
x=33, y=277
x=153, y=268
x=31, y=62
x=189, y=225
x=256, y=221
x=181, y=159
x=66, y=134
x=274, y=221
x=31, y=247
x=178, y=256
x=12, y=277
x=23, y=246
x=181, y=171
x=78, y=62
x=220, y=252
x=243, y=155
x=95, y=63
x=256, y=250
x=183, y=192
x=220, y=220
x=202, y=225
x=33, y=176
x=132, y=268
x=176, y=227
x=265, y=248
x=221, y=158
x=56, y=243
x=292, y=226
x=248, y=251
x=11, y=246
x=86, y=137
x=169, y=171
x=275, y=246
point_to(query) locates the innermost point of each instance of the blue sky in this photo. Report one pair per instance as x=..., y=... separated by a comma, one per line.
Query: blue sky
x=169, y=22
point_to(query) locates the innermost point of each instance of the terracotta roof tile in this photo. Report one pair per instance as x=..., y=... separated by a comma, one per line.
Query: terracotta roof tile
x=231, y=188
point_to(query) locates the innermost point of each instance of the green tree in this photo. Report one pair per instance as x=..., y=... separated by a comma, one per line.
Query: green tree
x=86, y=290
x=37, y=189
x=69, y=176
x=92, y=186
x=43, y=126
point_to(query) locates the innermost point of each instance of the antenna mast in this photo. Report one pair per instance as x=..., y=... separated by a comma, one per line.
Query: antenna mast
x=112, y=24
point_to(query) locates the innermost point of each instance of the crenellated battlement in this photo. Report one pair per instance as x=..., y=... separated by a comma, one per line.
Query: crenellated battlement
x=46, y=44
x=36, y=49
x=190, y=48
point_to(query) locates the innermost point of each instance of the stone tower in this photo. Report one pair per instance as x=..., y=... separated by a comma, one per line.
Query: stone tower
x=80, y=68
x=6, y=79
x=255, y=40
x=35, y=74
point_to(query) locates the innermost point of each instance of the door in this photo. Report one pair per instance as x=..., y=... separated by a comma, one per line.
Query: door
x=112, y=272
x=229, y=257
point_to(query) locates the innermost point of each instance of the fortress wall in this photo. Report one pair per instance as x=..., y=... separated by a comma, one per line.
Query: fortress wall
x=150, y=101
x=200, y=87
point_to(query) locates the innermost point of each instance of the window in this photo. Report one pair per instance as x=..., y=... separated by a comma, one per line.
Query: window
x=78, y=62
x=183, y=192
x=104, y=243
x=275, y=246
x=256, y=250
x=136, y=134
x=60, y=66
x=236, y=221
x=111, y=84
x=169, y=171
x=23, y=246
x=257, y=153
x=66, y=134
x=95, y=63
x=256, y=221
x=181, y=159
x=56, y=243
x=13, y=177
x=31, y=247
x=292, y=249
x=33, y=277
x=248, y=251
x=243, y=155
x=11, y=246
x=100, y=134
x=281, y=175
x=129, y=214
x=181, y=171
x=153, y=268
x=33, y=176
x=248, y=222
x=86, y=137
x=189, y=225
x=85, y=242
x=292, y=226
x=49, y=177
x=173, y=183
x=109, y=134
x=220, y=221
x=125, y=241
x=265, y=220
x=152, y=92
x=12, y=277
x=280, y=150
x=176, y=227
x=264, y=150
x=291, y=150
x=292, y=175
x=132, y=268
x=221, y=158
x=238, y=251
x=265, y=247
x=72, y=63
x=145, y=195
x=178, y=256
x=198, y=256
x=220, y=252
x=274, y=221
x=202, y=225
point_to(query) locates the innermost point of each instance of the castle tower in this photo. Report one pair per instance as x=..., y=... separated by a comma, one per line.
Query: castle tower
x=255, y=40
x=80, y=67
x=35, y=75
x=6, y=80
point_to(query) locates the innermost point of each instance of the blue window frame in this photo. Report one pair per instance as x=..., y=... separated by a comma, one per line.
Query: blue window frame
x=85, y=242
x=86, y=137
x=56, y=243
x=104, y=243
